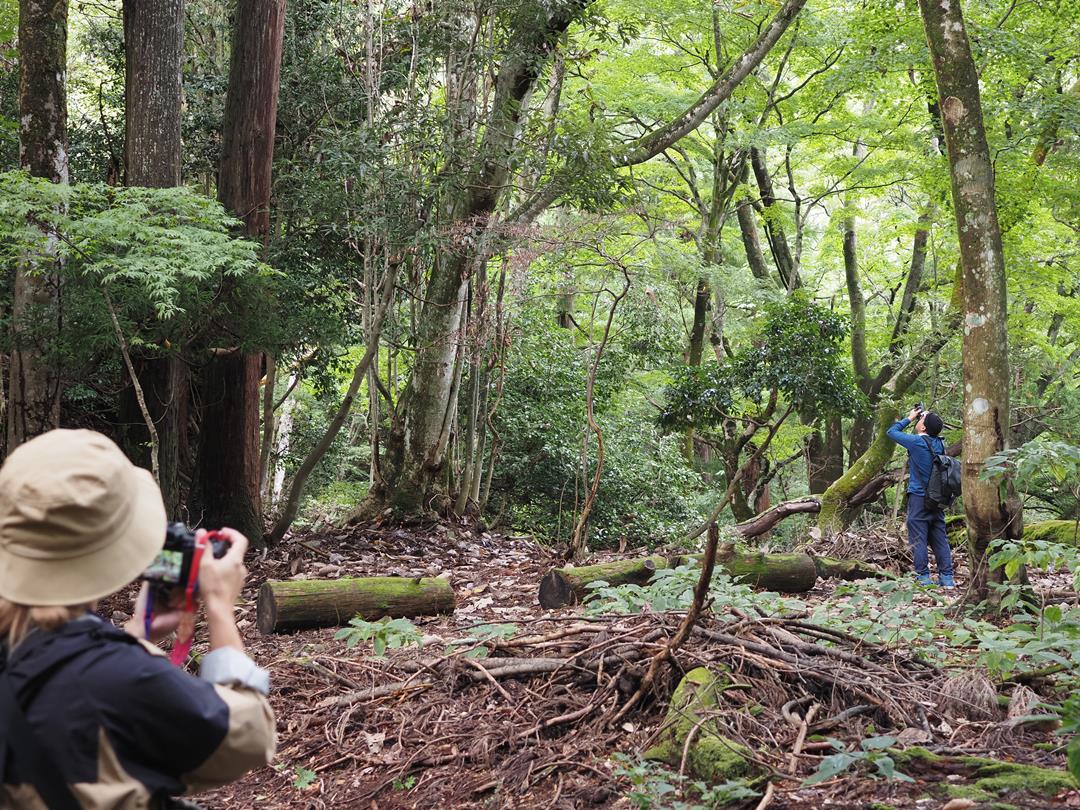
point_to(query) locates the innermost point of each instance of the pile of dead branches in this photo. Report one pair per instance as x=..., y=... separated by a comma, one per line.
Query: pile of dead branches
x=560, y=694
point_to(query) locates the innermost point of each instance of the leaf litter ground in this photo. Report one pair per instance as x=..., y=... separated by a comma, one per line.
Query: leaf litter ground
x=530, y=723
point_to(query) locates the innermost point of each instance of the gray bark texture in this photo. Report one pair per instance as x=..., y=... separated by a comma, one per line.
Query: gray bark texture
x=34, y=377
x=153, y=49
x=153, y=98
x=985, y=350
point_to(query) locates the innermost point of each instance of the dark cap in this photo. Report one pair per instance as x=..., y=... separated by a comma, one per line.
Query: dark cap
x=932, y=423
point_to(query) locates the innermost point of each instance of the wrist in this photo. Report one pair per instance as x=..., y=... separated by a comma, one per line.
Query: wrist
x=221, y=622
x=219, y=611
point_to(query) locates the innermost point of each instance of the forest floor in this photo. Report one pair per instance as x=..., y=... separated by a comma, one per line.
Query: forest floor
x=444, y=733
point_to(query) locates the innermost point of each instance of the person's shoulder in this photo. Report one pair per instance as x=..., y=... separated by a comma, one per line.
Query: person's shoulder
x=123, y=659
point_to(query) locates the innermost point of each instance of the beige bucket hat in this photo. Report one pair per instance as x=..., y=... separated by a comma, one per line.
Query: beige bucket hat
x=78, y=521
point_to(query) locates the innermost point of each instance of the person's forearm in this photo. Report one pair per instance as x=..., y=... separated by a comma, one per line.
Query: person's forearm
x=221, y=621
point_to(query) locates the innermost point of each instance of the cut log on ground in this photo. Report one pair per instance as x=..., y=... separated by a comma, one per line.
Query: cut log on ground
x=783, y=573
x=299, y=604
x=786, y=573
x=567, y=586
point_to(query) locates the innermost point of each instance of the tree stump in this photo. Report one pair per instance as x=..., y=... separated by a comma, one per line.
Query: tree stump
x=299, y=604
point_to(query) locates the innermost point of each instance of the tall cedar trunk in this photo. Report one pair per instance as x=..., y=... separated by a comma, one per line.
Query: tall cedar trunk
x=153, y=50
x=985, y=350
x=229, y=436
x=34, y=376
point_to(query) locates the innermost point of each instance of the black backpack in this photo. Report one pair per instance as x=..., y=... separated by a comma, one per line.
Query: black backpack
x=945, y=477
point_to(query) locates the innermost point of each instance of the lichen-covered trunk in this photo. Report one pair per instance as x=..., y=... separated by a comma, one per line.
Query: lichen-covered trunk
x=34, y=372
x=985, y=355
x=416, y=447
x=153, y=52
x=834, y=515
x=229, y=438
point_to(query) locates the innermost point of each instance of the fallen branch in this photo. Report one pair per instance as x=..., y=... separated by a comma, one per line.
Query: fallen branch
x=701, y=591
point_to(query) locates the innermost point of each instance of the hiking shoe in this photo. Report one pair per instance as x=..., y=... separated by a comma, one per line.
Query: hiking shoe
x=924, y=579
x=946, y=581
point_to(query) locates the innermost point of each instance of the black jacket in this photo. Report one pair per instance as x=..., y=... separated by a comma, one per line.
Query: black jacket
x=123, y=727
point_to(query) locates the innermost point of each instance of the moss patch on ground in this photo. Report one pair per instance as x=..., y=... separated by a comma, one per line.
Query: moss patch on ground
x=711, y=755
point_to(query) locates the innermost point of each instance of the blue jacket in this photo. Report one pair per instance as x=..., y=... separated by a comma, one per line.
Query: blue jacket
x=920, y=461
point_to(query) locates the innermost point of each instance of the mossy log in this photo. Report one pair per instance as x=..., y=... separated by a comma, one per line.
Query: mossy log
x=785, y=573
x=990, y=776
x=1053, y=531
x=710, y=755
x=1050, y=531
x=299, y=604
x=567, y=586
x=849, y=570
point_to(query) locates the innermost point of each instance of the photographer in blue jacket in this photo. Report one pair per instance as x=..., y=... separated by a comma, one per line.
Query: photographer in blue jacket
x=925, y=525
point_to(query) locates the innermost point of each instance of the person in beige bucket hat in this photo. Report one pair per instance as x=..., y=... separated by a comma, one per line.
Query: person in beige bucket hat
x=79, y=522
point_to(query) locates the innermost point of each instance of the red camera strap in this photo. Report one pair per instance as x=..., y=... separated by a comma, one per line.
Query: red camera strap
x=185, y=633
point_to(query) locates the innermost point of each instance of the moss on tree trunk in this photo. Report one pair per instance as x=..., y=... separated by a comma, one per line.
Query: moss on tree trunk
x=834, y=517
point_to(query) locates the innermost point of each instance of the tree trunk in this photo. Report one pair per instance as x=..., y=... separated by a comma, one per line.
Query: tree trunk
x=153, y=50
x=751, y=242
x=34, y=375
x=985, y=348
x=300, y=604
x=229, y=437
x=567, y=586
x=416, y=447
x=825, y=455
x=774, y=231
x=701, y=312
x=229, y=384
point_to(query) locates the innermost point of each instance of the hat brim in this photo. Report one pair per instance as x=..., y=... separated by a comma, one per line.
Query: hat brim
x=80, y=580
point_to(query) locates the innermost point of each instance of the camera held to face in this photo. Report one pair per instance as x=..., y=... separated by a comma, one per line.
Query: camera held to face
x=171, y=568
x=919, y=408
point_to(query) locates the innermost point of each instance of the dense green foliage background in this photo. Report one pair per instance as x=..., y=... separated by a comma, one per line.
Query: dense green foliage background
x=841, y=112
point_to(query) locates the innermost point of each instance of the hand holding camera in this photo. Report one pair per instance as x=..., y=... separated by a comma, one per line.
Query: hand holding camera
x=168, y=593
x=916, y=412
